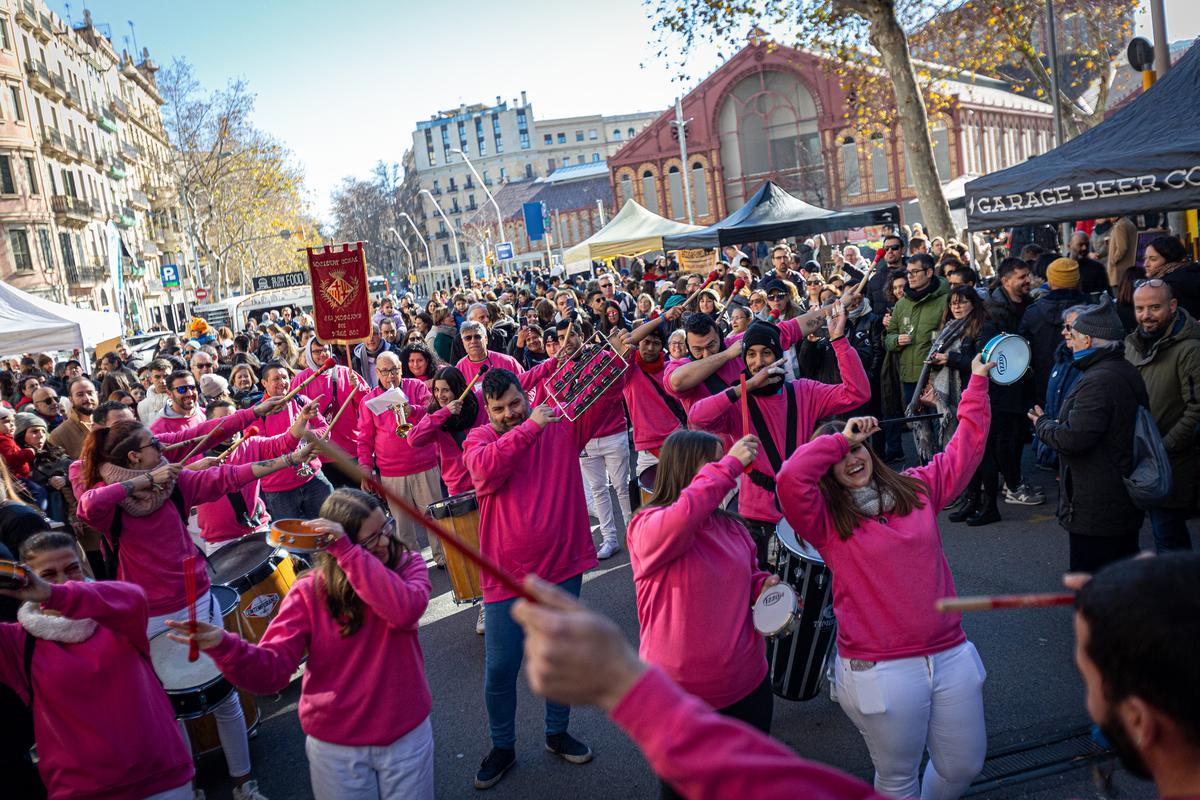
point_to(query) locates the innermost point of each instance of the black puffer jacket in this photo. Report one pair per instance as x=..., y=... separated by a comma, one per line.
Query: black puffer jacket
x=1093, y=437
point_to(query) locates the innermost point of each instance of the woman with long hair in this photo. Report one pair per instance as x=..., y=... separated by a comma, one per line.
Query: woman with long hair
x=906, y=675
x=447, y=424
x=612, y=318
x=355, y=615
x=243, y=386
x=418, y=361
x=286, y=349
x=696, y=576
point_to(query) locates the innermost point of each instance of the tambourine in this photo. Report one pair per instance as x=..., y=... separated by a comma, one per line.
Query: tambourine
x=296, y=536
x=13, y=575
x=777, y=611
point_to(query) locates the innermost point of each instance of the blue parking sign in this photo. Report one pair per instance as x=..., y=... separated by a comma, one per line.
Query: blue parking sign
x=170, y=276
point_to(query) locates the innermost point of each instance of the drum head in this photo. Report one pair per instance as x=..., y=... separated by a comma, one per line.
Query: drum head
x=794, y=544
x=233, y=561
x=170, y=661
x=646, y=479
x=775, y=609
x=227, y=598
x=1011, y=354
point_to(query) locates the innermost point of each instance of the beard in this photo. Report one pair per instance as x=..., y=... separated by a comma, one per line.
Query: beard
x=1127, y=751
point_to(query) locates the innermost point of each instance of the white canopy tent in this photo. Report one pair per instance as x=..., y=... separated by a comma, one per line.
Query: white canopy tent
x=29, y=324
x=633, y=231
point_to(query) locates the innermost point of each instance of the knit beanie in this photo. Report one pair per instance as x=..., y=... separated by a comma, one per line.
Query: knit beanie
x=25, y=421
x=763, y=333
x=6, y=412
x=1100, y=321
x=213, y=386
x=1063, y=273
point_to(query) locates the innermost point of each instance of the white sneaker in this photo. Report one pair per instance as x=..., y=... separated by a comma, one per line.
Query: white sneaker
x=248, y=791
x=479, y=622
x=608, y=548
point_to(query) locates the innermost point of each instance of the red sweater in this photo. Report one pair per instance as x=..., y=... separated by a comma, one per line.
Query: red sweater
x=366, y=689
x=17, y=458
x=429, y=432
x=104, y=726
x=890, y=572
x=696, y=577
x=378, y=445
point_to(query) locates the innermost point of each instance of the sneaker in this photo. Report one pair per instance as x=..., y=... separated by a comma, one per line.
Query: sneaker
x=479, y=622
x=608, y=548
x=248, y=791
x=499, y=761
x=1023, y=496
x=568, y=748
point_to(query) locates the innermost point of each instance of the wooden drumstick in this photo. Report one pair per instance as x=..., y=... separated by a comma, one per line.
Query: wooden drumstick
x=329, y=364
x=189, y=590
x=950, y=605
x=482, y=369
x=356, y=472
x=248, y=433
x=200, y=444
x=745, y=409
x=182, y=443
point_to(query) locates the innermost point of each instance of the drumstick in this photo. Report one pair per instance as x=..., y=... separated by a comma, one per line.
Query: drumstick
x=482, y=369
x=352, y=469
x=913, y=418
x=745, y=409
x=189, y=590
x=329, y=364
x=181, y=443
x=249, y=432
x=949, y=605
x=200, y=443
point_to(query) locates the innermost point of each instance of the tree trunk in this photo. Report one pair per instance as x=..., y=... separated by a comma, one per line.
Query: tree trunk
x=888, y=38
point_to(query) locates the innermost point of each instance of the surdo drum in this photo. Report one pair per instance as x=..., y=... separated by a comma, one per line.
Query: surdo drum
x=461, y=513
x=796, y=655
x=260, y=574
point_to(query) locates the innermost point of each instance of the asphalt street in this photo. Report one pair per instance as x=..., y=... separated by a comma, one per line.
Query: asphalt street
x=1033, y=690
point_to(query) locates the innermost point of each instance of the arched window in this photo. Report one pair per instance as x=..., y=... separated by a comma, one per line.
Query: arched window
x=879, y=171
x=699, y=189
x=626, y=188
x=851, y=180
x=675, y=187
x=616, y=134
x=650, y=191
x=632, y=132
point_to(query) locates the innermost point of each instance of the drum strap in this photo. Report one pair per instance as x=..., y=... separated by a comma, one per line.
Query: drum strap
x=459, y=437
x=113, y=556
x=715, y=385
x=671, y=403
x=759, y=478
x=240, y=511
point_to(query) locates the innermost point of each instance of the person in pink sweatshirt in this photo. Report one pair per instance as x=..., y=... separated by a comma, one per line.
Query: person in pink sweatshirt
x=334, y=386
x=532, y=518
x=140, y=501
x=906, y=674
x=292, y=493
x=184, y=419
x=475, y=339
x=409, y=470
x=103, y=724
x=446, y=423
x=681, y=541
x=364, y=698
x=781, y=415
x=654, y=413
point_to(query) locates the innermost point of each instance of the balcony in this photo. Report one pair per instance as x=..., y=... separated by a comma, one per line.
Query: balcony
x=85, y=275
x=39, y=77
x=60, y=84
x=469, y=184
x=118, y=108
x=89, y=110
x=452, y=188
x=161, y=197
x=26, y=15
x=116, y=168
x=131, y=151
x=472, y=207
x=106, y=123
x=72, y=147
x=138, y=200
x=124, y=218
x=71, y=99
x=455, y=209
x=73, y=212
x=45, y=29
x=150, y=249
x=442, y=235
x=436, y=192
x=52, y=144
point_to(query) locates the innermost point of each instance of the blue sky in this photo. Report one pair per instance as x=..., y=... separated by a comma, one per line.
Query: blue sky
x=377, y=67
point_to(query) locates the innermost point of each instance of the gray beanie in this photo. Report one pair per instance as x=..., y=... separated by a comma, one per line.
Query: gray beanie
x=213, y=386
x=1100, y=321
x=25, y=421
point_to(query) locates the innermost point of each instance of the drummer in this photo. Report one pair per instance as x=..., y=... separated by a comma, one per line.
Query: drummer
x=334, y=386
x=140, y=501
x=683, y=541
x=294, y=493
x=103, y=725
x=653, y=412
x=907, y=676
x=364, y=700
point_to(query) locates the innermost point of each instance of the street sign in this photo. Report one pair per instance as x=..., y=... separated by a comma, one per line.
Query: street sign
x=170, y=276
x=286, y=280
x=504, y=251
x=201, y=293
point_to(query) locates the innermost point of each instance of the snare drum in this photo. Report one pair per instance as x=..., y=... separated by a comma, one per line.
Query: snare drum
x=777, y=611
x=202, y=731
x=260, y=574
x=13, y=576
x=1011, y=354
x=295, y=536
x=193, y=687
x=461, y=513
x=797, y=658
x=646, y=482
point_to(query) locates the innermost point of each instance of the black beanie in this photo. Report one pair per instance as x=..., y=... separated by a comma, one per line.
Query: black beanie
x=763, y=333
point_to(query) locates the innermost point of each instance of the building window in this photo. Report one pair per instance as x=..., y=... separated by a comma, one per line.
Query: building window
x=64, y=244
x=941, y=152
x=436, y=188
x=18, y=109
x=5, y=42
x=446, y=252
x=31, y=174
x=18, y=240
x=850, y=176
x=616, y=134
x=548, y=139
x=47, y=250
x=675, y=189
x=879, y=173
x=7, y=185
x=562, y=138
x=650, y=191
x=579, y=136
x=529, y=170
x=699, y=190
x=503, y=173
x=524, y=140
x=632, y=132
x=566, y=161
x=550, y=166
x=592, y=135
x=595, y=158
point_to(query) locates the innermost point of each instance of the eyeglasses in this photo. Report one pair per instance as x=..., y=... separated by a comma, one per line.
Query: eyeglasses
x=779, y=258
x=474, y=338
x=1153, y=283
x=154, y=442
x=893, y=247
x=50, y=400
x=912, y=272
x=202, y=365
x=776, y=296
x=391, y=371
x=188, y=389
x=387, y=530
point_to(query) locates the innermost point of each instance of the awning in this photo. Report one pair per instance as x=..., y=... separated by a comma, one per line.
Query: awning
x=633, y=231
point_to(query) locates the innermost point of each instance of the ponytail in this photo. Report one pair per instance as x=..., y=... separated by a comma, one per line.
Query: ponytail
x=110, y=445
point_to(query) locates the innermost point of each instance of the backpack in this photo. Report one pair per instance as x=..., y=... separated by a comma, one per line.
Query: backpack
x=1150, y=481
x=1062, y=378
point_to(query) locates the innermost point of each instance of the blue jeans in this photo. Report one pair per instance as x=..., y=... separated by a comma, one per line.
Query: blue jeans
x=1170, y=529
x=504, y=647
x=303, y=502
x=893, y=432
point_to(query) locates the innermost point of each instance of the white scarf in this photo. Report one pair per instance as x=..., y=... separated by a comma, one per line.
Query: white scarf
x=54, y=629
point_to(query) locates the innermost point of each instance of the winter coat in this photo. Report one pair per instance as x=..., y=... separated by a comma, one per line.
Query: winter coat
x=1041, y=326
x=924, y=315
x=1170, y=367
x=1093, y=437
x=1015, y=398
x=1185, y=283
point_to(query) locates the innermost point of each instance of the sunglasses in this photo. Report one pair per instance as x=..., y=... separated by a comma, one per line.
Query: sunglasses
x=203, y=366
x=758, y=301
x=776, y=296
x=1153, y=283
x=188, y=389
x=48, y=400
x=893, y=247
x=474, y=338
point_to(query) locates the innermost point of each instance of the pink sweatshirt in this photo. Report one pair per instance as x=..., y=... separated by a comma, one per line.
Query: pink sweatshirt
x=696, y=577
x=104, y=726
x=652, y=421
x=218, y=522
x=706, y=756
x=176, y=429
x=366, y=689
x=334, y=386
x=889, y=573
x=153, y=547
x=287, y=479
x=429, y=432
x=532, y=513
x=470, y=368
x=814, y=401
x=378, y=445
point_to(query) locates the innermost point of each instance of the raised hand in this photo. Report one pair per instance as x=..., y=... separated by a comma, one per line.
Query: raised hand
x=543, y=415
x=859, y=429
x=207, y=635
x=745, y=450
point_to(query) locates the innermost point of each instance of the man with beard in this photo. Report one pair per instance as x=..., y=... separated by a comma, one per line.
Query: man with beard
x=527, y=527
x=1093, y=277
x=81, y=392
x=893, y=261
x=782, y=414
x=653, y=412
x=1137, y=643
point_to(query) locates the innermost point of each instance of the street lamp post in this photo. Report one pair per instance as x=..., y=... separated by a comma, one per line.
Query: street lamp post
x=421, y=236
x=453, y=233
x=282, y=234
x=412, y=265
x=495, y=205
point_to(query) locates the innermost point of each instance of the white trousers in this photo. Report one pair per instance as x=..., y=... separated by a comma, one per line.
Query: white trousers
x=231, y=721
x=903, y=706
x=178, y=793
x=420, y=489
x=645, y=460
x=604, y=460
x=401, y=770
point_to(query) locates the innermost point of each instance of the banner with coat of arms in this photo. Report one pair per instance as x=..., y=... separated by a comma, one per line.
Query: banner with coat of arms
x=341, y=299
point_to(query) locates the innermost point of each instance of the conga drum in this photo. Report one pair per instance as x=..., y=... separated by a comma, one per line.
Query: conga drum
x=646, y=482
x=202, y=731
x=461, y=513
x=260, y=574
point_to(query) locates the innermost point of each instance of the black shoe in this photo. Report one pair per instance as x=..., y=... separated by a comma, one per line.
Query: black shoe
x=957, y=504
x=568, y=748
x=986, y=515
x=497, y=762
x=966, y=510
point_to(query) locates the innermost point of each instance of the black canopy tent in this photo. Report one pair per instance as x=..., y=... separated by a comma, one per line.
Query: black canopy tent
x=1144, y=158
x=773, y=214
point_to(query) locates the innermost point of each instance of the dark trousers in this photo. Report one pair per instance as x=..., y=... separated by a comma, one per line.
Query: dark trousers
x=337, y=479
x=894, y=430
x=755, y=709
x=1170, y=529
x=1002, y=456
x=762, y=533
x=1090, y=553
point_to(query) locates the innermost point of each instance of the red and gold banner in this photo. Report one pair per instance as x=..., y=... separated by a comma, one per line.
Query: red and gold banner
x=341, y=301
